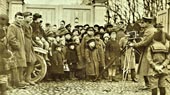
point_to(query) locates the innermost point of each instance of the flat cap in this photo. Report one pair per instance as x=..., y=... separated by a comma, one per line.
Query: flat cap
x=25, y=14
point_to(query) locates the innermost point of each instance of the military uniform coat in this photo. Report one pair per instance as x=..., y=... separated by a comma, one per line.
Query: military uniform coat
x=144, y=44
x=15, y=36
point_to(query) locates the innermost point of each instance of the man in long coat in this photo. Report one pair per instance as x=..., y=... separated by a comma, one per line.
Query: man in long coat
x=145, y=43
x=30, y=55
x=15, y=36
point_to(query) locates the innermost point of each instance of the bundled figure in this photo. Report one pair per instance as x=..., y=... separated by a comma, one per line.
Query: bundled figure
x=72, y=59
x=57, y=64
x=158, y=58
x=92, y=59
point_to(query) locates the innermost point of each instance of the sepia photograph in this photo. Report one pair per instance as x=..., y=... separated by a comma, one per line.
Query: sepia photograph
x=84, y=47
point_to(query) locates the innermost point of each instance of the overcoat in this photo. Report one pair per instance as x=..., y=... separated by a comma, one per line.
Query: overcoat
x=30, y=54
x=57, y=64
x=144, y=44
x=16, y=40
x=92, y=61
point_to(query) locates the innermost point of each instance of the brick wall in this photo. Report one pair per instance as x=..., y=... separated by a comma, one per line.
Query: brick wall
x=3, y=6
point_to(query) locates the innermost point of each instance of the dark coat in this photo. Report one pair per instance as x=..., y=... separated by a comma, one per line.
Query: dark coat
x=30, y=54
x=57, y=62
x=37, y=29
x=15, y=36
x=101, y=51
x=3, y=47
x=112, y=50
x=144, y=44
x=92, y=61
x=80, y=64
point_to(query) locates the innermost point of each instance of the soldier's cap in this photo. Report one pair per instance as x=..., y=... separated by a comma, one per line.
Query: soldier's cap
x=25, y=14
x=145, y=19
x=158, y=25
x=36, y=16
x=4, y=17
x=108, y=26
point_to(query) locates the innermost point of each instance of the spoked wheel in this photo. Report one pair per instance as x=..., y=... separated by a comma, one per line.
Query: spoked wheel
x=40, y=69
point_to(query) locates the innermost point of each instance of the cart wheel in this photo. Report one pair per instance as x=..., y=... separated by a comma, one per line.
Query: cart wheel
x=40, y=69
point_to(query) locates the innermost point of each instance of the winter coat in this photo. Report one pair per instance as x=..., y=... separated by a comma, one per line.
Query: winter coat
x=101, y=51
x=80, y=64
x=30, y=54
x=37, y=29
x=15, y=36
x=57, y=62
x=112, y=50
x=92, y=61
x=144, y=44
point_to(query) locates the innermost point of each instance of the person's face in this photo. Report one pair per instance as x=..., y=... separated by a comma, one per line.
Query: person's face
x=29, y=19
x=102, y=31
x=97, y=36
x=68, y=36
x=82, y=31
x=113, y=35
x=109, y=29
x=90, y=32
x=106, y=39
x=77, y=41
x=96, y=29
x=19, y=19
x=75, y=33
x=62, y=24
x=92, y=44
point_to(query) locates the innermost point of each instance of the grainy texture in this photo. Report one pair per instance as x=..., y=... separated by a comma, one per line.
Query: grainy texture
x=83, y=88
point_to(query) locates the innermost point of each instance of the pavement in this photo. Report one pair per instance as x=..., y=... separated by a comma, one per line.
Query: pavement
x=83, y=88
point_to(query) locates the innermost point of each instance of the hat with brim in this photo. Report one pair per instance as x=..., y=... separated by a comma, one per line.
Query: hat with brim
x=90, y=40
x=145, y=19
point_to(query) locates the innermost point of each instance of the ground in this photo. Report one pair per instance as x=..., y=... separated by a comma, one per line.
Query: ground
x=83, y=88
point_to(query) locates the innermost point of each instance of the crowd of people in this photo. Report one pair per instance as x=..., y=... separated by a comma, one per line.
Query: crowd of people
x=82, y=52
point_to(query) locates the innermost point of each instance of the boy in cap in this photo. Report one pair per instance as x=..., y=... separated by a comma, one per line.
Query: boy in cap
x=92, y=60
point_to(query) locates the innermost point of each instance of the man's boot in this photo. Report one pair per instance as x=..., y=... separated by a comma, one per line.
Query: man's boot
x=155, y=91
x=133, y=75
x=3, y=89
x=162, y=90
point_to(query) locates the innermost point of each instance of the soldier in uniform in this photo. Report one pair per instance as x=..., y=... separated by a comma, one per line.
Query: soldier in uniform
x=30, y=54
x=3, y=54
x=158, y=58
x=144, y=44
